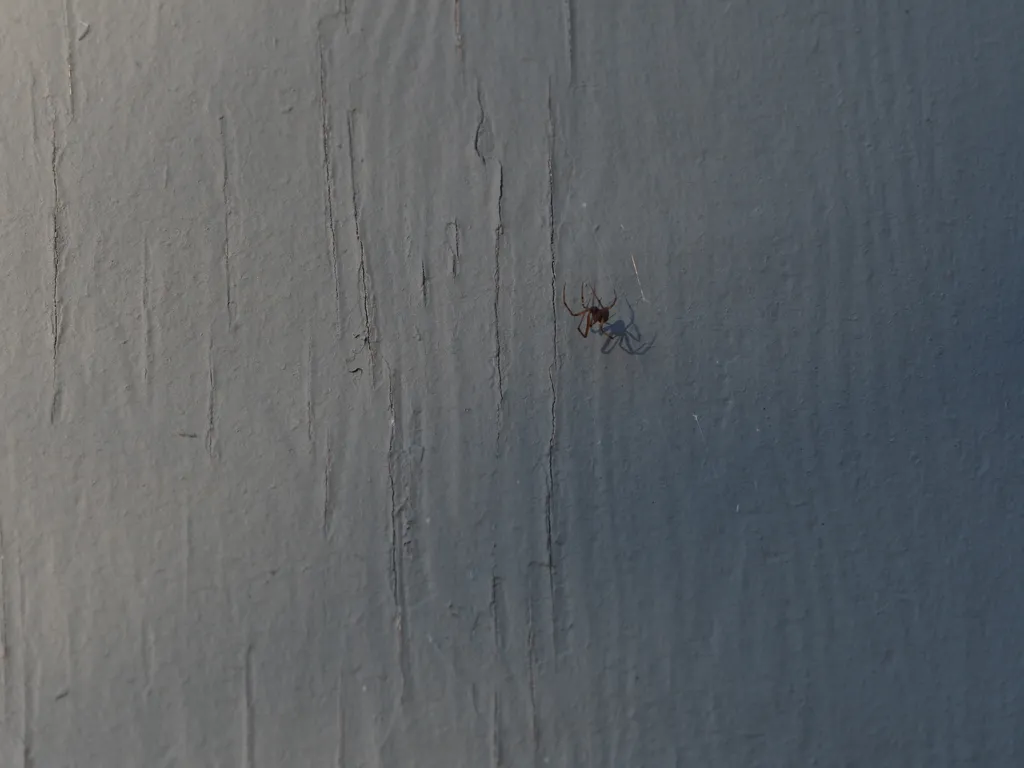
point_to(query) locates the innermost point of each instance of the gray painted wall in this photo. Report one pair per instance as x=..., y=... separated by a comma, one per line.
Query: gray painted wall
x=304, y=462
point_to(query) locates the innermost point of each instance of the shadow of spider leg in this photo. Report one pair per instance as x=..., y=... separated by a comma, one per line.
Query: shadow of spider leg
x=625, y=336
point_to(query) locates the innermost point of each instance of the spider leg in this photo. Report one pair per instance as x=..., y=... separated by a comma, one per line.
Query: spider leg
x=574, y=314
x=584, y=332
x=614, y=299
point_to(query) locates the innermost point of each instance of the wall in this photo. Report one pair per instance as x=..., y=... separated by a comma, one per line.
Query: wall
x=304, y=462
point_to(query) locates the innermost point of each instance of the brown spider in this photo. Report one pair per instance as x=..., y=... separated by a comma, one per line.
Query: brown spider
x=593, y=314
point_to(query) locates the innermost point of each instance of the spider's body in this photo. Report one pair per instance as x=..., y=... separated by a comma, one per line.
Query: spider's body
x=592, y=314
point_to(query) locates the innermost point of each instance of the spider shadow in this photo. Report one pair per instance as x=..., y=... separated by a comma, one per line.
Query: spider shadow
x=625, y=336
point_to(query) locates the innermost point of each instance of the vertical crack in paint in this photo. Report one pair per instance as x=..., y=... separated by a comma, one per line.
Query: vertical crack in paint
x=479, y=124
x=499, y=230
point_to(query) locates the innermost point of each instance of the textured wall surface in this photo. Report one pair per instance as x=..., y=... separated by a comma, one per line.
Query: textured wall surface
x=303, y=462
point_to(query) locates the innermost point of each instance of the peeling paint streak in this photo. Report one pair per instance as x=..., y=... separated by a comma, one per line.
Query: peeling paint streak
x=396, y=566
x=147, y=323
x=496, y=632
x=147, y=658
x=457, y=23
x=69, y=54
x=226, y=245
x=57, y=252
x=186, y=556
x=497, y=751
x=3, y=620
x=248, y=726
x=32, y=109
x=328, y=511
x=329, y=186
x=451, y=234
x=395, y=555
x=339, y=760
x=310, y=396
x=531, y=656
x=570, y=38
x=28, y=693
x=211, y=406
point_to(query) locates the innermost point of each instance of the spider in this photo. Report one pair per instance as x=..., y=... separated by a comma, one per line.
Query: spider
x=594, y=314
